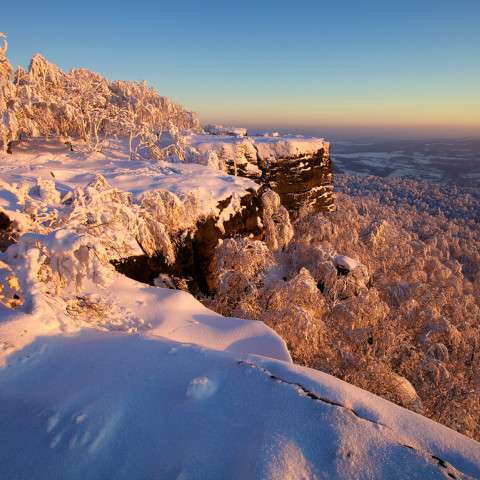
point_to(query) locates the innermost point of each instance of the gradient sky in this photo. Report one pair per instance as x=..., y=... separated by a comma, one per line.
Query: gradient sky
x=414, y=65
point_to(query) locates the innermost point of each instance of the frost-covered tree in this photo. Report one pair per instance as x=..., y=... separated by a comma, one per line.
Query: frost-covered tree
x=5, y=67
x=83, y=105
x=8, y=122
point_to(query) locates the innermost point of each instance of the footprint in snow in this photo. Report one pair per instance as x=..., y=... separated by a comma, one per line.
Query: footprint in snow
x=69, y=429
x=201, y=388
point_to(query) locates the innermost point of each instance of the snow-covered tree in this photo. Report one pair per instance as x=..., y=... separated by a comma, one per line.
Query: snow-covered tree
x=83, y=105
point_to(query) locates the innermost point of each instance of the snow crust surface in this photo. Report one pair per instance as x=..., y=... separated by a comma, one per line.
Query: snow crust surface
x=269, y=148
x=52, y=161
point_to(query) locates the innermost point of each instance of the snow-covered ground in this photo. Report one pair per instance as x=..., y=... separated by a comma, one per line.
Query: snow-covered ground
x=53, y=161
x=104, y=377
x=112, y=405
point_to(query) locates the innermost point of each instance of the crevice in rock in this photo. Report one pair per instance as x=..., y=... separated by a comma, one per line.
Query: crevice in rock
x=8, y=234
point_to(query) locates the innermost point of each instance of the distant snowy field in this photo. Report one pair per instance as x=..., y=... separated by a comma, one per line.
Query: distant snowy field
x=445, y=161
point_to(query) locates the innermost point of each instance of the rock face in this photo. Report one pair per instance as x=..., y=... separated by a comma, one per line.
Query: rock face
x=302, y=180
x=7, y=232
x=299, y=169
x=195, y=251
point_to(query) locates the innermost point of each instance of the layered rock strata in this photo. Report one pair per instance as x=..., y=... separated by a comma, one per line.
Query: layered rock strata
x=299, y=169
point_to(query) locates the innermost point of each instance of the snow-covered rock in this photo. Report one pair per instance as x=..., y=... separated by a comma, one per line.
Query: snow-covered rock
x=357, y=273
x=297, y=168
x=346, y=263
x=136, y=209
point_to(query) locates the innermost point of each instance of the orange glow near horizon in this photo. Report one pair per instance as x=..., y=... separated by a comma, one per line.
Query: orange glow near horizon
x=458, y=114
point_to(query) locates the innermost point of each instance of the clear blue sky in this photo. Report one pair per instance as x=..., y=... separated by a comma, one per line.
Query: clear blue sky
x=351, y=63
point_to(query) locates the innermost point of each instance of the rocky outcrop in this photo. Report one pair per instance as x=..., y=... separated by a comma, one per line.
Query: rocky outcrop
x=7, y=232
x=299, y=169
x=293, y=173
x=303, y=180
x=194, y=251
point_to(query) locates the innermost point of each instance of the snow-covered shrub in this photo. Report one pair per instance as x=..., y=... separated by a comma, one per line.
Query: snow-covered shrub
x=278, y=230
x=249, y=257
x=5, y=67
x=163, y=206
x=108, y=214
x=62, y=259
x=221, y=130
x=11, y=295
x=47, y=192
x=295, y=310
x=8, y=121
x=236, y=295
x=238, y=265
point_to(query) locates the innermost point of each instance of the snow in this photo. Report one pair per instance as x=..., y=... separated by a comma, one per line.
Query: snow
x=52, y=162
x=105, y=377
x=179, y=316
x=109, y=405
x=271, y=148
x=346, y=262
x=201, y=388
x=274, y=148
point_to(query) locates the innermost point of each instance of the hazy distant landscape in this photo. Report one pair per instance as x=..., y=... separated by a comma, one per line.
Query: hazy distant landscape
x=445, y=161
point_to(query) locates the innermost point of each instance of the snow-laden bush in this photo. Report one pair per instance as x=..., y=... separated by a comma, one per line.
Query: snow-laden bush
x=11, y=295
x=163, y=206
x=61, y=259
x=239, y=265
x=276, y=221
x=249, y=257
x=295, y=309
x=122, y=224
x=5, y=67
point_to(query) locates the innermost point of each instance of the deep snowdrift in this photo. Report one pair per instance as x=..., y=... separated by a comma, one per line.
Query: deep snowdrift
x=104, y=377
x=97, y=405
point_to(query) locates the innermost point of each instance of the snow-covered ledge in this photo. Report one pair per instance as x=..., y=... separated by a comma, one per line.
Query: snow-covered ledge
x=298, y=168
